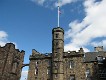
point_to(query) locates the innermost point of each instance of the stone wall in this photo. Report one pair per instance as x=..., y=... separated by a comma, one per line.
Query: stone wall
x=11, y=61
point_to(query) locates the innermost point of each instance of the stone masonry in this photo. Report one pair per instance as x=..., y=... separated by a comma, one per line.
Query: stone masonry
x=11, y=62
x=57, y=65
x=71, y=65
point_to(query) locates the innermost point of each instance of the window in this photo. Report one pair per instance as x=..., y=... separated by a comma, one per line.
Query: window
x=87, y=73
x=36, y=71
x=100, y=59
x=48, y=62
x=71, y=64
x=36, y=63
x=57, y=43
x=48, y=71
x=36, y=67
x=55, y=76
x=72, y=77
x=57, y=35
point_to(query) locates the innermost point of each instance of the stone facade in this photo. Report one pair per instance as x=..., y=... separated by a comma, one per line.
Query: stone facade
x=11, y=62
x=57, y=65
x=71, y=65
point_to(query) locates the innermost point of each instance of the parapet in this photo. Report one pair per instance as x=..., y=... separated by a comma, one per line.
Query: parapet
x=57, y=29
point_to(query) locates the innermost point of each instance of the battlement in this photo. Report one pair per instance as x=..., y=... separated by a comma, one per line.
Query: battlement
x=58, y=29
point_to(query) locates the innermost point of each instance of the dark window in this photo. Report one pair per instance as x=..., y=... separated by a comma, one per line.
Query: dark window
x=56, y=43
x=72, y=77
x=57, y=35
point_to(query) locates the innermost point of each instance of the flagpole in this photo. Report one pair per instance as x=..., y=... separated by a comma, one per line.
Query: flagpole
x=58, y=13
x=58, y=17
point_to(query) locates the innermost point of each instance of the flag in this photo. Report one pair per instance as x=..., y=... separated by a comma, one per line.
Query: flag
x=59, y=12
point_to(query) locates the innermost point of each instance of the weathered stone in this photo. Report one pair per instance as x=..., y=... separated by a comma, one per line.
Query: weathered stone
x=62, y=65
x=11, y=61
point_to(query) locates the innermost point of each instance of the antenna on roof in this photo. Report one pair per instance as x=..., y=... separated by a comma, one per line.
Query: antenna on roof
x=58, y=13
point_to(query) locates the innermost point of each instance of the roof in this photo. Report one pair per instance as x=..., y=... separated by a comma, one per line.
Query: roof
x=91, y=56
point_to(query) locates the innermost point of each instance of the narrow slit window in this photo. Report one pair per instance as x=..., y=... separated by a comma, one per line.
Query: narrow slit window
x=56, y=43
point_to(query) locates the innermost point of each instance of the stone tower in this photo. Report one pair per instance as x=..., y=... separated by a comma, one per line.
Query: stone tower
x=57, y=53
x=11, y=62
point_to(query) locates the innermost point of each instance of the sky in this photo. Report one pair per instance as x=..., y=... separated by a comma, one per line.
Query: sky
x=29, y=23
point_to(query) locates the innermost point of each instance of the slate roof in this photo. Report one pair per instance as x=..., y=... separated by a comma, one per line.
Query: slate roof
x=91, y=56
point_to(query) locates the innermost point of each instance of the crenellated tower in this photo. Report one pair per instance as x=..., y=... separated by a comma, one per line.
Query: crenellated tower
x=57, y=53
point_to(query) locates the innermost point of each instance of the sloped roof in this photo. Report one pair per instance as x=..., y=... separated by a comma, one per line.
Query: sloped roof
x=91, y=56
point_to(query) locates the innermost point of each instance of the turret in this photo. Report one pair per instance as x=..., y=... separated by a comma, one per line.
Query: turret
x=57, y=53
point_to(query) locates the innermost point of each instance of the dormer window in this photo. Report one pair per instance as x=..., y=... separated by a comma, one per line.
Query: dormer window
x=100, y=59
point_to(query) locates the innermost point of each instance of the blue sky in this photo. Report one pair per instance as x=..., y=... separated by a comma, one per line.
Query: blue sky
x=29, y=24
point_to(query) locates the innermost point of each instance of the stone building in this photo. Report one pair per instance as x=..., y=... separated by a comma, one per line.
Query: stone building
x=71, y=65
x=11, y=62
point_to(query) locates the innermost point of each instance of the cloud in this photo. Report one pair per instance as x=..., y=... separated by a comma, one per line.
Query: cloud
x=4, y=39
x=53, y=3
x=102, y=43
x=24, y=75
x=40, y=2
x=64, y=2
x=82, y=34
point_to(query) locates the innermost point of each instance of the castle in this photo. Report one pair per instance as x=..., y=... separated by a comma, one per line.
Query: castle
x=71, y=65
x=57, y=65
